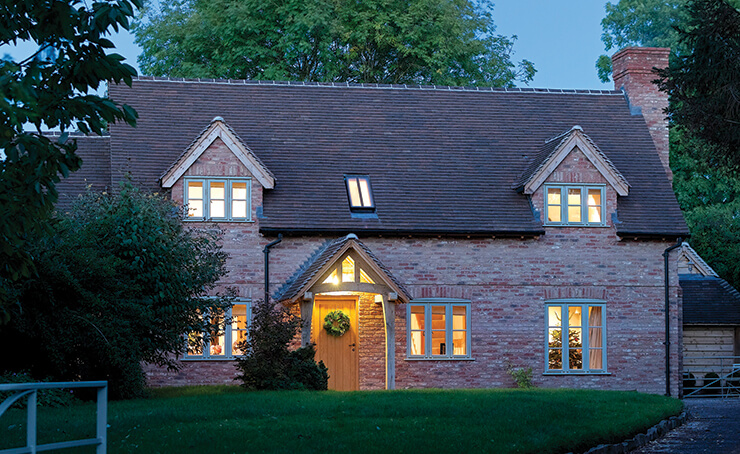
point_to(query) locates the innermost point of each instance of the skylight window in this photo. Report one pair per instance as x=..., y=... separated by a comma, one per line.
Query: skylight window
x=360, y=193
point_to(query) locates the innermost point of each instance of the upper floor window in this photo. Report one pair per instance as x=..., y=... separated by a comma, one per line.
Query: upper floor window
x=438, y=330
x=574, y=205
x=218, y=199
x=576, y=337
x=359, y=192
x=223, y=343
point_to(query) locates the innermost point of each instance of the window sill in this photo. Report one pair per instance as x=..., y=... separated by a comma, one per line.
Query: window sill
x=591, y=226
x=248, y=221
x=440, y=359
x=579, y=372
x=197, y=358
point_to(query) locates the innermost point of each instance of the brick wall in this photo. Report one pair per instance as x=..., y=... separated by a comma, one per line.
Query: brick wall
x=507, y=280
x=632, y=70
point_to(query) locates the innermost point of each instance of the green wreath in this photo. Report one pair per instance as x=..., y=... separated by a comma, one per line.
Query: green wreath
x=336, y=323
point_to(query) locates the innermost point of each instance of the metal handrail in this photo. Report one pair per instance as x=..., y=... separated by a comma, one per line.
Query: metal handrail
x=30, y=390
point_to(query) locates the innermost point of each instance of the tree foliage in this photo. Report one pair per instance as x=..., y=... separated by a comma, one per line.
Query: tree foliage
x=268, y=362
x=709, y=195
x=50, y=89
x=119, y=281
x=703, y=82
x=648, y=23
x=451, y=42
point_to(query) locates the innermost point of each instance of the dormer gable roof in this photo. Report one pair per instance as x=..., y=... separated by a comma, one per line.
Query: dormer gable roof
x=555, y=150
x=218, y=129
x=326, y=258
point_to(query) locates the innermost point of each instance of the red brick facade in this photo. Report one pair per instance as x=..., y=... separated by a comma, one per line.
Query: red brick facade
x=507, y=280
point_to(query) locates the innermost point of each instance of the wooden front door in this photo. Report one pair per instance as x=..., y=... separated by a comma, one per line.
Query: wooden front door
x=339, y=354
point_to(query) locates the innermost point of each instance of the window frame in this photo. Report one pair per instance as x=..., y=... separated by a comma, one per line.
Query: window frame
x=584, y=188
x=427, y=303
x=228, y=198
x=361, y=208
x=228, y=336
x=565, y=305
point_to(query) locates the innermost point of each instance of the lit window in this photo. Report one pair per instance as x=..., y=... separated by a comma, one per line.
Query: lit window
x=359, y=193
x=332, y=279
x=195, y=199
x=225, y=342
x=574, y=205
x=217, y=196
x=349, y=272
x=438, y=330
x=348, y=269
x=218, y=199
x=584, y=351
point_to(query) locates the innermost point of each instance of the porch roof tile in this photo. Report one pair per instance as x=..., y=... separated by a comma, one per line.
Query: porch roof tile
x=323, y=256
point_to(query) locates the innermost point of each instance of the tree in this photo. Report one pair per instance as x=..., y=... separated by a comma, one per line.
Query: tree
x=649, y=23
x=268, y=362
x=377, y=41
x=703, y=82
x=50, y=89
x=119, y=282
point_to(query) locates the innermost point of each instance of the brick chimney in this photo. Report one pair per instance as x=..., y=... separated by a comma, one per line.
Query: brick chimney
x=632, y=70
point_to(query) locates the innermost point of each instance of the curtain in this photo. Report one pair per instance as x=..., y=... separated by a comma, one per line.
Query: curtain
x=595, y=343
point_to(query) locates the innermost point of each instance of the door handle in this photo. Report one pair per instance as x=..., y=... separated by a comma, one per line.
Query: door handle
x=353, y=345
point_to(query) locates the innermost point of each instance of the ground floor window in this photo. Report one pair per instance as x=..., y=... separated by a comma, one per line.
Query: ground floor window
x=576, y=337
x=224, y=343
x=438, y=329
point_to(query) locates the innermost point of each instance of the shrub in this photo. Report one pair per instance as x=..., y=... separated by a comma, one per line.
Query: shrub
x=119, y=280
x=522, y=377
x=268, y=363
x=45, y=397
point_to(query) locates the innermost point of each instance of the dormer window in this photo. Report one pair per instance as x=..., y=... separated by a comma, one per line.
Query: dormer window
x=576, y=205
x=218, y=199
x=359, y=193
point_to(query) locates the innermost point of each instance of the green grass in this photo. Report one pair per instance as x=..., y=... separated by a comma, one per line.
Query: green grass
x=229, y=420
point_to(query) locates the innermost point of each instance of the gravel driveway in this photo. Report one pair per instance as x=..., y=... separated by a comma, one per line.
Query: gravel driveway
x=714, y=427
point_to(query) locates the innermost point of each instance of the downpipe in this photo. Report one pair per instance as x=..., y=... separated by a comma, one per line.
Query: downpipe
x=266, y=250
x=668, y=319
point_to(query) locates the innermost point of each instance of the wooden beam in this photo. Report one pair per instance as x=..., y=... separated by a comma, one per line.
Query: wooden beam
x=306, y=316
x=389, y=315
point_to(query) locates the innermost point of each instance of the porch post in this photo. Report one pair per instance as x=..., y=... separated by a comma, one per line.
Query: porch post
x=306, y=317
x=389, y=315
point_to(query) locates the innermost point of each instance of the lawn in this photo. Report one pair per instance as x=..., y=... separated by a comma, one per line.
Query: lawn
x=229, y=420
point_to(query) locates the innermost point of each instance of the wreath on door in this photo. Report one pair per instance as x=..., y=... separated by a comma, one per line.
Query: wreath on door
x=336, y=323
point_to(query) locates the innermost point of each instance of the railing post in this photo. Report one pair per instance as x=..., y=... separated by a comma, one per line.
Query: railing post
x=31, y=422
x=102, y=419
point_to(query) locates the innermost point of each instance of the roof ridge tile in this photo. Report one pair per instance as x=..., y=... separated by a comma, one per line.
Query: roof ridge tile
x=379, y=86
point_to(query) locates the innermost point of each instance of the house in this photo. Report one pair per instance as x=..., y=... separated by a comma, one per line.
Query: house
x=461, y=230
x=711, y=319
